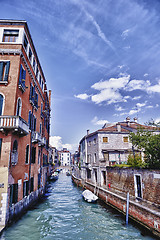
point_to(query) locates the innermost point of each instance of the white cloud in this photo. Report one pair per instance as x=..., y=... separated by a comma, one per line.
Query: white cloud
x=137, y=85
x=140, y=105
x=133, y=111
x=146, y=75
x=136, y=97
x=149, y=106
x=82, y=96
x=125, y=33
x=109, y=90
x=154, y=88
x=56, y=141
x=119, y=108
x=101, y=122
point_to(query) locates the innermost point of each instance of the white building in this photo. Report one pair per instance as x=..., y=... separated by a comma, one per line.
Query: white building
x=64, y=157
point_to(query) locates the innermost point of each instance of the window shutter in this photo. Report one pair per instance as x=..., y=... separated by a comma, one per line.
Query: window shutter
x=6, y=71
x=30, y=95
x=23, y=77
x=33, y=94
x=20, y=75
x=1, y=104
x=1, y=71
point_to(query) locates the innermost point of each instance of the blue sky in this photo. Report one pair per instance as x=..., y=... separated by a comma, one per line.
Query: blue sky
x=101, y=59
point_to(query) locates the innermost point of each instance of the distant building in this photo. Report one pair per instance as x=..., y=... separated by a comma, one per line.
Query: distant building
x=106, y=147
x=64, y=157
x=24, y=120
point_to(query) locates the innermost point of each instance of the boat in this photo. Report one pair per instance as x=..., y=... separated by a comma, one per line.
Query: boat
x=89, y=196
x=54, y=176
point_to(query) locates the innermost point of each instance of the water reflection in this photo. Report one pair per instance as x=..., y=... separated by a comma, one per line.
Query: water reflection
x=65, y=215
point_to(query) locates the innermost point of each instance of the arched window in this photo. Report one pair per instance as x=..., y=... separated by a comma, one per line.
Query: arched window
x=15, y=146
x=1, y=103
x=19, y=107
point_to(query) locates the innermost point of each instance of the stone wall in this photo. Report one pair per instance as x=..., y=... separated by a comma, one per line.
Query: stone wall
x=124, y=180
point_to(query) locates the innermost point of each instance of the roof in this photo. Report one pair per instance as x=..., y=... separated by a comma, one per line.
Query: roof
x=124, y=127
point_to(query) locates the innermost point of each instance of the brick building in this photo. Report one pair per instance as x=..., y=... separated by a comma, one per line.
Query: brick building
x=24, y=120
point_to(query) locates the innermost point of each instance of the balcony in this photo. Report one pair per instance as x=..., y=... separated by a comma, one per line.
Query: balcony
x=14, y=123
x=36, y=137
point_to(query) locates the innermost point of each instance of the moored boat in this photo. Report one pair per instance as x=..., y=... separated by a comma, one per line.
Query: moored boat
x=54, y=176
x=89, y=196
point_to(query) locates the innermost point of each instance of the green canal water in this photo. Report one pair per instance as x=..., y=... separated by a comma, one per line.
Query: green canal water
x=65, y=215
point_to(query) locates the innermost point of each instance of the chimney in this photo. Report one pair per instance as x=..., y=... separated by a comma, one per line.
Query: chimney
x=135, y=119
x=50, y=98
x=118, y=125
x=88, y=132
x=128, y=121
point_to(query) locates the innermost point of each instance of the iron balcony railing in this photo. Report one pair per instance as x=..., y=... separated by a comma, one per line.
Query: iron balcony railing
x=15, y=123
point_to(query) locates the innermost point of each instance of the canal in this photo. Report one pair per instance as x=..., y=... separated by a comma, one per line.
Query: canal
x=64, y=215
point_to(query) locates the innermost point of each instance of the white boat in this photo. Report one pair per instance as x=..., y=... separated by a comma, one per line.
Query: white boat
x=89, y=196
x=54, y=176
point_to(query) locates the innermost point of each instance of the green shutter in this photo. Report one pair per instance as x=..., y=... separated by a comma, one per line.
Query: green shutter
x=6, y=71
x=1, y=71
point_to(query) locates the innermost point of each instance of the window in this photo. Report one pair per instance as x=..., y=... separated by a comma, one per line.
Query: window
x=33, y=155
x=40, y=80
x=89, y=143
x=1, y=103
x=30, y=120
x=22, y=78
x=106, y=156
x=32, y=94
x=125, y=139
x=105, y=139
x=0, y=146
x=27, y=155
x=13, y=193
x=39, y=156
x=30, y=54
x=19, y=107
x=95, y=157
x=4, y=70
x=10, y=35
x=34, y=64
x=39, y=180
x=37, y=72
x=15, y=146
x=94, y=140
x=32, y=184
x=36, y=100
x=40, y=128
x=45, y=160
x=25, y=42
x=25, y=188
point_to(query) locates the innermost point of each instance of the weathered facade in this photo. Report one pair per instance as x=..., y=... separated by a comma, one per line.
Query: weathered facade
x=24, y=121
x=106, y=147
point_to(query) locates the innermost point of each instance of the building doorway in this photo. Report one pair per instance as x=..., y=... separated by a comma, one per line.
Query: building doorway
x=138, y=186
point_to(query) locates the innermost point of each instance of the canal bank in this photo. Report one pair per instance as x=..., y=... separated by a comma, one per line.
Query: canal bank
x=65, y=215
x=145, y=214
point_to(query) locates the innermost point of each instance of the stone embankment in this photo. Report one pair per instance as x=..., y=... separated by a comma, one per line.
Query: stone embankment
x=146, y=214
